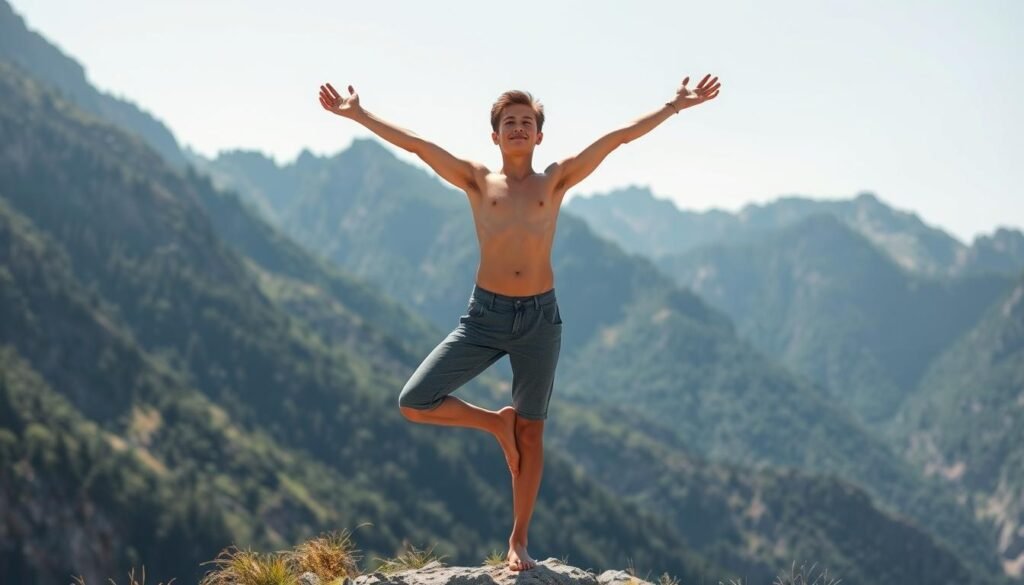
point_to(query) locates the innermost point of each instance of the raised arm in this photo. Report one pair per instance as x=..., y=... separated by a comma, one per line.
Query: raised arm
x=463, y=174
x=574, y=169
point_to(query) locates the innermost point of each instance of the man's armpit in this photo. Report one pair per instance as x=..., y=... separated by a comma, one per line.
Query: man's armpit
x=555, y=173
x=479, y=178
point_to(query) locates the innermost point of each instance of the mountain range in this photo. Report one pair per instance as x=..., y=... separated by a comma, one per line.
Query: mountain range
x=642, y=223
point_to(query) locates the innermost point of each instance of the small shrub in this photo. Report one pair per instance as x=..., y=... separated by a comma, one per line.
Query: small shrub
x=238, y=567
x=330, y=556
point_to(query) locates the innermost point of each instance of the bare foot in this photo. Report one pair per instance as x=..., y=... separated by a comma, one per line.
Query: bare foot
x=518, y=559
x=507, y=438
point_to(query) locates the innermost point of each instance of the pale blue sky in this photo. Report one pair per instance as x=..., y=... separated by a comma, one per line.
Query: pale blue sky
x=916, y=101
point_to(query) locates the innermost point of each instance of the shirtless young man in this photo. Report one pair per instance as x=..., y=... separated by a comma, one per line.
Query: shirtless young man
x=512, y=309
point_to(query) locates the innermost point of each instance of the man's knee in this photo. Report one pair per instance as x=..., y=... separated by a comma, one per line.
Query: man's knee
x=409, y=412
x=413, y=406
x=409, y=400
x=529, y=432
x=415, y=410
x=409, y=408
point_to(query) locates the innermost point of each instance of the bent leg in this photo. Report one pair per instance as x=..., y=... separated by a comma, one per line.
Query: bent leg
x=425, y=397
x=455, y=361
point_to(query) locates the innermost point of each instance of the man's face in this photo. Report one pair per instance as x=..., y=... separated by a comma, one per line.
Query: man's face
x=517, y=129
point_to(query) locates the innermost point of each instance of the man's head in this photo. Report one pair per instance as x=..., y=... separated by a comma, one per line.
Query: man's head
x=517, y=120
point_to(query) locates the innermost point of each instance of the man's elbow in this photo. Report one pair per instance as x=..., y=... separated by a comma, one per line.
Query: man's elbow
x=626, y=135
x=417, y=146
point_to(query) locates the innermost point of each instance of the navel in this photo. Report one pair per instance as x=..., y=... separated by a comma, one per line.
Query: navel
x=540, y=203
x=494, y=202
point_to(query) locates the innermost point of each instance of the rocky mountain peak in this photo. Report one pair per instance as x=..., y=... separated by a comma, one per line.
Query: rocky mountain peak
x=550, y=571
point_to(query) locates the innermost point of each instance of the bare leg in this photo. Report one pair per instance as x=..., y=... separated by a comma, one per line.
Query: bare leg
x=454, y=412
x=529, y=434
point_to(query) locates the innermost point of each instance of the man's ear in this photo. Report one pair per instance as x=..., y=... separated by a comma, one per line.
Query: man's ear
x=494, y=137
x=540, y=136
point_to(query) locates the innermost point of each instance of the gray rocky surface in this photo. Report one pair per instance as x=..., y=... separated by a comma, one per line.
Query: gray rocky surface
x=550, y=571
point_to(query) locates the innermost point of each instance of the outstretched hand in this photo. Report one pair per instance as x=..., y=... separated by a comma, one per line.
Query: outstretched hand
x=334, y=102
x=706, y=90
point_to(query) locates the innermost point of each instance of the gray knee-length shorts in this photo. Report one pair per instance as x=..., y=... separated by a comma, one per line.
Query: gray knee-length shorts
x=527, y=329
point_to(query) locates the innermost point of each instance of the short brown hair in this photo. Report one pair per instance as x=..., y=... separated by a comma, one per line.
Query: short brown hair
x=516, y=96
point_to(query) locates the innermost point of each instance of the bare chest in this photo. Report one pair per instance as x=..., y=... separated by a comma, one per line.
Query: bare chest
x=529, y=205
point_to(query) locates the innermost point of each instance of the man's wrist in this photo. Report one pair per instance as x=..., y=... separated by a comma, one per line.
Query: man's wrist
x=356, y=114
x=673, y=106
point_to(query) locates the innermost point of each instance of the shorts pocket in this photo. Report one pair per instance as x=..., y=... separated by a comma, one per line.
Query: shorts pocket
x=475, y=309
x=551, y=313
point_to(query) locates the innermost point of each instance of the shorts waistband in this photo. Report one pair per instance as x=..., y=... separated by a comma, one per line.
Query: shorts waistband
x=492, y=299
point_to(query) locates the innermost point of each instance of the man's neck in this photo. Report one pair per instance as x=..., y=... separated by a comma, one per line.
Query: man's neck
x=517, y=167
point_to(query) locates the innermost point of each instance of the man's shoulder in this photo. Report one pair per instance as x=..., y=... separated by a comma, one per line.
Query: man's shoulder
x=554, y=172
x=480, y=170
x=478, y=181
x=553, y=169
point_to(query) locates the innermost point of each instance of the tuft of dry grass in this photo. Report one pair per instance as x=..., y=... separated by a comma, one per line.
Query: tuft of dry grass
x=495, y=559
x=244, y=567
x=667, y=579
x=79, y=580
x=629, y=567
x=805, y=576
x=410, y=558
x=330, y=556
x=634, y=579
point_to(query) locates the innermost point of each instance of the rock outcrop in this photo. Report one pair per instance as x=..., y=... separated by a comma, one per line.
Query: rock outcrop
x=550, y=571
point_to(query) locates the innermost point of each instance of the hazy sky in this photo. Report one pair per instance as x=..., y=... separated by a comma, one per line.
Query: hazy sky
x=916, y=101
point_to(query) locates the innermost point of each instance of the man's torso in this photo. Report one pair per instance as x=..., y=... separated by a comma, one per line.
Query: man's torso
x=515, y=226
